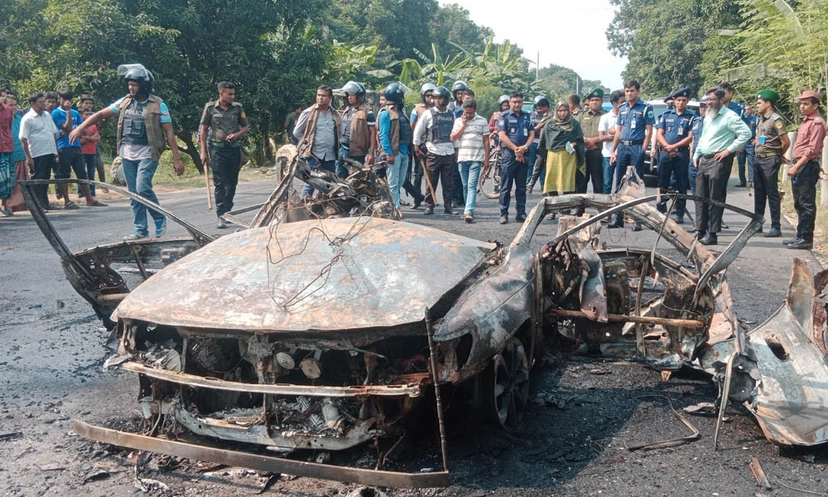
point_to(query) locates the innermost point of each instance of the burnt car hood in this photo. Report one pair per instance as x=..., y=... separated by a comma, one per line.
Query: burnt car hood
x=328, y=274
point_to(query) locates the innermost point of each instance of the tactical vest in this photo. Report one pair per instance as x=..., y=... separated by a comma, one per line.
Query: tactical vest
x=441, y=126
x=360, y=133
x=143, y=126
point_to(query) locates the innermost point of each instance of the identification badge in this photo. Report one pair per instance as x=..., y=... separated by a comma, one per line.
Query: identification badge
x=681, y=130
x=763, y=139
x=632, y=123
x=525, y=131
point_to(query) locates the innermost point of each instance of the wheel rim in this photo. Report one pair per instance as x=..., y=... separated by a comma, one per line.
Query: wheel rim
x=511, y=383
x=489, y=183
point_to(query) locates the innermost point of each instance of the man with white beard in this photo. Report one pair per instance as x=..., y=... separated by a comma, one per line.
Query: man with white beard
x=724, y=133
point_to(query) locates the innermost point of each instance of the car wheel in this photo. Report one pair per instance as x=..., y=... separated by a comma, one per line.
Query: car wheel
x=506, y=385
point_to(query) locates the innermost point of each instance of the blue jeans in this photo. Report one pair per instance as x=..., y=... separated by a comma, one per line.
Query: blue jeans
x=138, y=175
x=397, y=172
x=328, y=165
x=470, y=174
x=512, y=172
x=609, y=172
x=345, y=151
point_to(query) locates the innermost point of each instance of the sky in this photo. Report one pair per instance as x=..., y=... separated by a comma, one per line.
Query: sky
x=568, y=18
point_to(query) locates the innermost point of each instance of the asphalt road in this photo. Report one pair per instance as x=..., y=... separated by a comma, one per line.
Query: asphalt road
x=582, y=416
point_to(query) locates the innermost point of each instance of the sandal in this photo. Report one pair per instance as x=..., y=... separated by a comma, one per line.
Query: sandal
x=95, y=203
x=71, y=205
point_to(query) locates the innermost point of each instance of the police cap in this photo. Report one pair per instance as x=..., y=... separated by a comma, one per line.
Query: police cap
x=596, y=93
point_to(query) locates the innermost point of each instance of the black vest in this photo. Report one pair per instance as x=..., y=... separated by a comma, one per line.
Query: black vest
x=441, y=125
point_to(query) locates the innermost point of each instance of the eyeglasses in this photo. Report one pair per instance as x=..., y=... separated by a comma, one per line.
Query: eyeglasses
x=429, y=95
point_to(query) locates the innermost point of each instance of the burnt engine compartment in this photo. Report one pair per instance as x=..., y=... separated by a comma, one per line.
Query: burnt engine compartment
x=265, y=359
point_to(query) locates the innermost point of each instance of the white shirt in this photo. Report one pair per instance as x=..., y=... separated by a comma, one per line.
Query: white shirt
x=423, y=123
x=607, y=121
x=470, y=144
x=40, y=131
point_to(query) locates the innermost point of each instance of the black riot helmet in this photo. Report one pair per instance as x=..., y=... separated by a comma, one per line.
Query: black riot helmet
x=394, y=93
x=139, y=73
x=458, y=86
x=442, y=92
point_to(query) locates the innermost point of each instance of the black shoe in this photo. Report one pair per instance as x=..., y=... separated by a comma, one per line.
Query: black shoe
x=520, y=218
x=700, y=234
x=761, y=229
x=741, y=185
x=773, y=233
x=447, y=211
x=428, y=211
x=418, y=202
x=615, y=224
x=504, y=219
x=792, y=240
x=709, y=239
x=801, y=245
x=680, y=220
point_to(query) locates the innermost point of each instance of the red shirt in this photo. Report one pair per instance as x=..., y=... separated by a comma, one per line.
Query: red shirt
x=810, y=138
x=90, y=148
x=6, y=119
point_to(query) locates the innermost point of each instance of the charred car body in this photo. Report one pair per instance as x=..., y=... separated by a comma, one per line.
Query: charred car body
x=315, y=330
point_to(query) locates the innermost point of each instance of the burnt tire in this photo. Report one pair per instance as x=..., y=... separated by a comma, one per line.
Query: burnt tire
x=505, y=385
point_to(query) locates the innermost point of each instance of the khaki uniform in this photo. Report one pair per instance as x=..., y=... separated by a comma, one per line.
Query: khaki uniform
x=223, y=122
x=590, y=122
x=225, y=156
x=766, y=166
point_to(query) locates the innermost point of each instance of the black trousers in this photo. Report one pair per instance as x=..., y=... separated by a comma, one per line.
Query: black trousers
x=440, y=167
x=672, y=175
x=226, y=162
x=711, y=182
x=594, y=172
x=43, y=167
x=803, y=187
x=766, y=187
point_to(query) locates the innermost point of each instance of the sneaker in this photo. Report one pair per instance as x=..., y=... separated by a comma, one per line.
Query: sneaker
x=221, y=224
x=504, y=219
x=160, y=228
x=429, y=210
x=135, y=235
x=740, y=185
x=8, y=211
x=773, y=233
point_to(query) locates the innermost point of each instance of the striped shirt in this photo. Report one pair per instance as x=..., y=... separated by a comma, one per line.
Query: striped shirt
x=470, y=144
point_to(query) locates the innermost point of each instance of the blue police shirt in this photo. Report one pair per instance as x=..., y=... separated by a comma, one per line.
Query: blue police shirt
x=676, y=127
x=59, y=117
x=634, y=121
x=739, y=109
x=516, y=126
x=751, y=123
x=698, y=126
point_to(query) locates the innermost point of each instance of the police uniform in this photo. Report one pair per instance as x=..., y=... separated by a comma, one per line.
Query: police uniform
x=518, y=127
x=632, y=121
x=768, y=148
x=434, y=130
x=676, y=129
x=225, y=156
x=748, y=152
x=589, y=122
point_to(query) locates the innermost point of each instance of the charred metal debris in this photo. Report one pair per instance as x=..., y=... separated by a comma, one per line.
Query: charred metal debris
x=308, y=330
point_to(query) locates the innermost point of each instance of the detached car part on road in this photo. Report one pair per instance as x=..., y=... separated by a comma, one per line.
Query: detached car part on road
x=327, y=333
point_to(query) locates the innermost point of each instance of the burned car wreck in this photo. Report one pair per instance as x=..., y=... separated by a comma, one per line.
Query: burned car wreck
x=323, y=327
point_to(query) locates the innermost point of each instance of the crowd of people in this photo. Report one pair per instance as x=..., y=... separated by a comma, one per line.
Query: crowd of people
x=443, y=140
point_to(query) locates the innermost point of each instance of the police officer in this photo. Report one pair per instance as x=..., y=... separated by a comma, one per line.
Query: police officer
x=635, y=123
x=673, y=133
x=458, y=92
x=515, y=130
x=771, y=142
x=225, y=122
x=589, y=120
x=359, y=131
x=415, y=189
x=696, y=132
x=748, y=153
x=434, y=131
